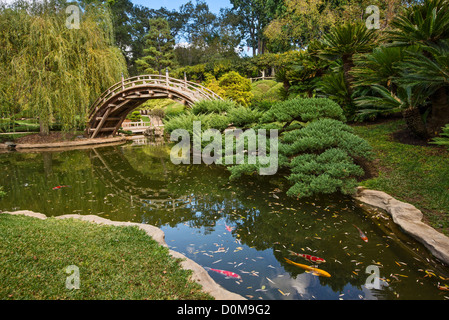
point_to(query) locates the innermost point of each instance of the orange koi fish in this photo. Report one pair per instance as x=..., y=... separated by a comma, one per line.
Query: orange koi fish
x=308, y=257
x=228, y=228
x=228, y=274
x=443, y=287
x=362, y=235
x=315, y=271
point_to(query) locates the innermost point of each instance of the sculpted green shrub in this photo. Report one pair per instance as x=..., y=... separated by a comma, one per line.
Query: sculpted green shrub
x=328, y=172
x=304, y=110
x=213, y=106
x=322, y=158
x=243, y=116
x=315, y=145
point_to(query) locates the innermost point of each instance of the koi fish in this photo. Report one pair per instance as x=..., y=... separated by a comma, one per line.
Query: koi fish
x=443, y=287
x=362, y=235
x=315, y=271
x=228, y=228
x=228, y=274
x=59, y=187
x=308, y=257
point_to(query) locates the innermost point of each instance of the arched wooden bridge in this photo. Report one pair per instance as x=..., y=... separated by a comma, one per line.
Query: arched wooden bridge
x=109, y=111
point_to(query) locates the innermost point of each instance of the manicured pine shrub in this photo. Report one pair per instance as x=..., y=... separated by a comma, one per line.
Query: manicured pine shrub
x=318, y=150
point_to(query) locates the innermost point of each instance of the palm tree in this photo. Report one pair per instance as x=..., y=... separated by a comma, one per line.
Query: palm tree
x=426, y=25
x=344, y=41
x=407, y=100
x=381, y=66
x=431, y=74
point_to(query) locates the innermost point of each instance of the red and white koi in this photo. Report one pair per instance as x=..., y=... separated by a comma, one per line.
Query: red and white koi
x=308, y=257
x=60, y=187
x=362, y=235
x=228, y=274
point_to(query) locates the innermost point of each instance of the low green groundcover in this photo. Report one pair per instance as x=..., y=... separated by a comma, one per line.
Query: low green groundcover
x=113, y=262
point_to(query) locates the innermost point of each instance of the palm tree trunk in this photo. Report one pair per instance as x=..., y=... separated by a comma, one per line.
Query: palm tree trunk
x=414, y=122
x=440, y=110
x=348, y=64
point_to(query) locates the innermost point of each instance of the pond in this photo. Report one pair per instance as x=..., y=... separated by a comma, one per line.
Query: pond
x=248, y=226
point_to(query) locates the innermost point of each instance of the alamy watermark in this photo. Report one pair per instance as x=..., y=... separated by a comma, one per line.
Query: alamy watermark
x=250, y=147
x=373, y=21
x=73, y=20
x=73, y=280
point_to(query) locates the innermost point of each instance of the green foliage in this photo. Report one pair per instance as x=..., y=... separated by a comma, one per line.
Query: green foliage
x=182, y=121
x=212, y=114
x=2, y=193
x=443, y=139
x=329, y=172
x=333, y=86
x=266, y=90
x=51, y=70
x=323, y=134
x=323, y=158
x=303, y=109
x=381, y=66
x=236, y=88
x=163, y=107
x=243, y=117
x=347, y=39
x=386, y=102
x=316, y=146
x=420, y=70
x=159, y=44
x=185, y=121
x=424, y=23
x=213, y=106
x=134, y=116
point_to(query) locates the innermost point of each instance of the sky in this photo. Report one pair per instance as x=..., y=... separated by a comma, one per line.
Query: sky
x=214, y=5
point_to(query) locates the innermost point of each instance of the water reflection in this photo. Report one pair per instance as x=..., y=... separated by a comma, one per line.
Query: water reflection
x=247, y=226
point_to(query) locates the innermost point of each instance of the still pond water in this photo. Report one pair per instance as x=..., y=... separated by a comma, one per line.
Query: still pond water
x=248, y=227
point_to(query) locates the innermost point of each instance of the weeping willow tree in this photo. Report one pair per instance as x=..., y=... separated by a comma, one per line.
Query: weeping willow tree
x=54, y=71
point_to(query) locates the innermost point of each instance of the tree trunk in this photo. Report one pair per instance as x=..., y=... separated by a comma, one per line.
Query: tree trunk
x=348, y=64
x=44, y=129
x=414, y=122
x=440, y=111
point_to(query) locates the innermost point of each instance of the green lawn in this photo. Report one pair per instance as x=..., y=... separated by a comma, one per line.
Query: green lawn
x=114, y=262
x=415, y=174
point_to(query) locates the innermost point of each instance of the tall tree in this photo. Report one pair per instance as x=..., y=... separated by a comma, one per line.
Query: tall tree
x=256, y=15
x=159, y=46
x=62, y=70
x=206, y=36
x=201, y=26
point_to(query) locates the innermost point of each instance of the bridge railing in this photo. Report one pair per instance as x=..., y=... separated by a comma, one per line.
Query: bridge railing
x=262, y=78
x=135, y=124
x=200, y=92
